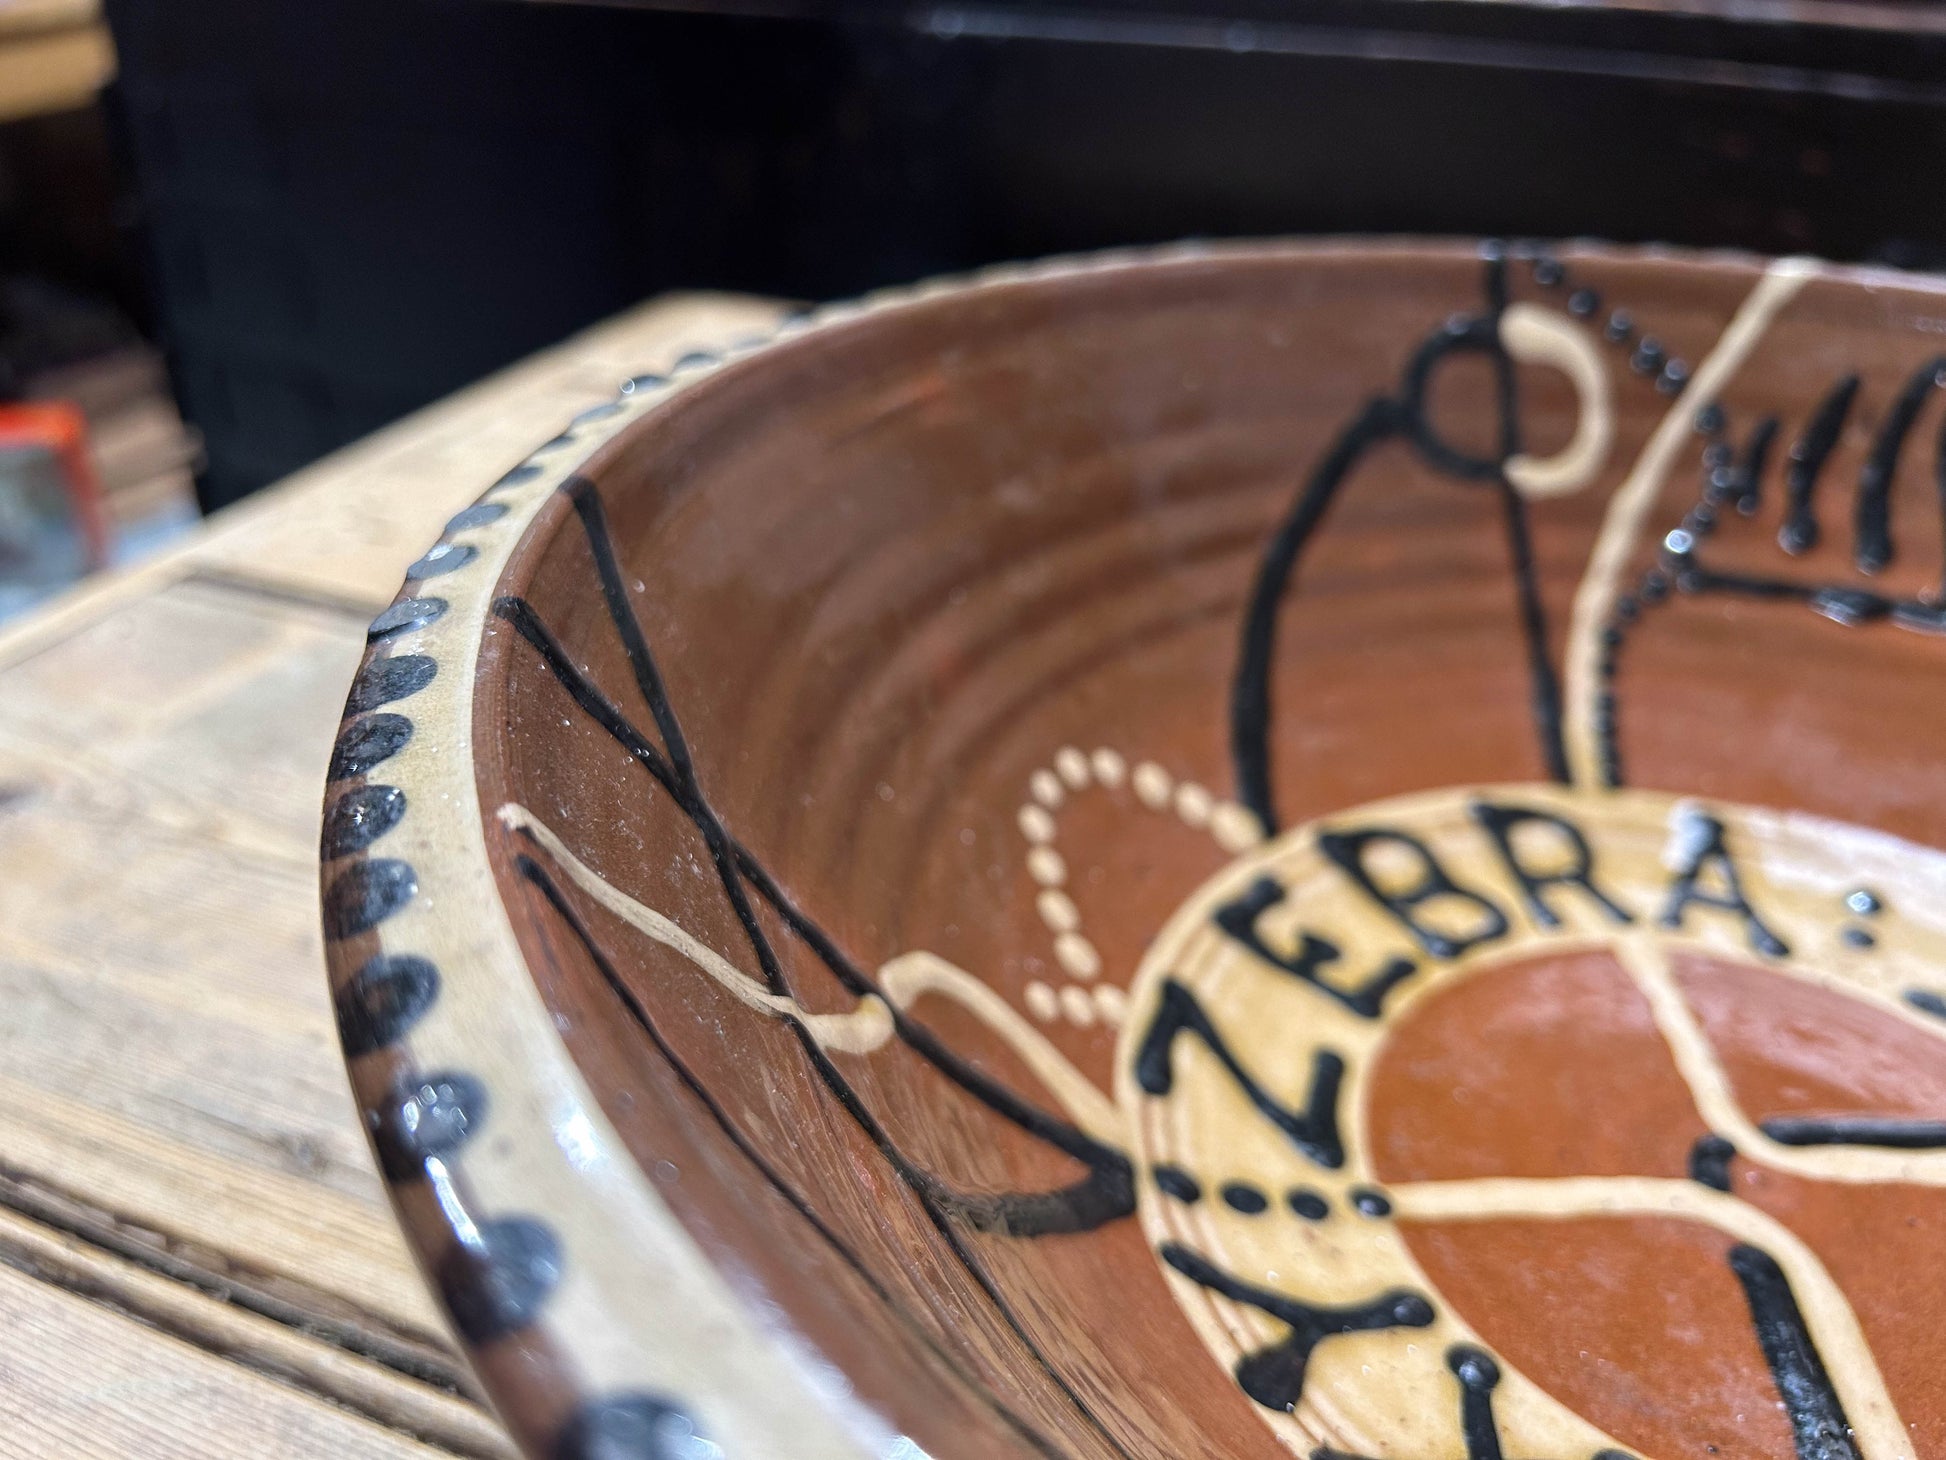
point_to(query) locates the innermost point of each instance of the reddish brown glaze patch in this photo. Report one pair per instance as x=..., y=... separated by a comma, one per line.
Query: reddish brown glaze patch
x=1551, y=1066
x=1638, y=1326
x=889, y=570
x=1846, y=1057
x=1544, y=1066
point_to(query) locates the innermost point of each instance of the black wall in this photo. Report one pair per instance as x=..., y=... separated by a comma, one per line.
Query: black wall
x=350, y=208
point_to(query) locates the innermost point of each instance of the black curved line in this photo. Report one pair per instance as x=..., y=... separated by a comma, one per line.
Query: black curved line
x=1747, y=477
x=1872, y=540
x=1853, y=1130
x=1108, y=1180
x=1808, y=454
x=1384, y=417
x=1274, y=1376
x=1250, y=708
x=1819, y=1426
x=1014, y=1107
x=775, y=1179
x=1545, y=686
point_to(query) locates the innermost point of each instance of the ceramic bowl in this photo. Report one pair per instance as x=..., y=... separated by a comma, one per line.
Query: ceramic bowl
x=1219, y=852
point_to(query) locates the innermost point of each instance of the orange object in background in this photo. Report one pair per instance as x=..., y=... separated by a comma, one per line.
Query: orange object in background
x=61, y=430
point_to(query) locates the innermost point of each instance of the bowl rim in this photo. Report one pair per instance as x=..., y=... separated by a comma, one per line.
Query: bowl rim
x=533, y=1240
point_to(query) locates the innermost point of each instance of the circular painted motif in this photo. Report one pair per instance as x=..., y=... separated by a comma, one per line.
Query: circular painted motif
x=1521, y=1120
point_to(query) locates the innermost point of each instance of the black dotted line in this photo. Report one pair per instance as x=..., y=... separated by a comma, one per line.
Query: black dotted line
x=1646, y=354
x=1251, y=1200
x=1648, y=357
x=496, y=1281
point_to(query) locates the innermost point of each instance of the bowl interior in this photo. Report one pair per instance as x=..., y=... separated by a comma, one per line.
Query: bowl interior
x=911, y=661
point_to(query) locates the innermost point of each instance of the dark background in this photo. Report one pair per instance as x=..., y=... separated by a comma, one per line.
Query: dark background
x=339, y=211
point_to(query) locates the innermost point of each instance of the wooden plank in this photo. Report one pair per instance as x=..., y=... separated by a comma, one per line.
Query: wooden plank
x=80, y=1380
x=283, y=1354
x=169, y=1057
x=347, y=526
x=176, y=1135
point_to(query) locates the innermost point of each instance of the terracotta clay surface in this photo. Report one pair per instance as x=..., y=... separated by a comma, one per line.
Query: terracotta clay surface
x=1279, y=849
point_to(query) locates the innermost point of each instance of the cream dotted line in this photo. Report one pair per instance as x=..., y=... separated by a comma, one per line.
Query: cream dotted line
x=1233, y=826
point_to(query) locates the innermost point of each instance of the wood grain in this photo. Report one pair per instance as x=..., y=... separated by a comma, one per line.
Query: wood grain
x=196, y=1256
x=81, y=1380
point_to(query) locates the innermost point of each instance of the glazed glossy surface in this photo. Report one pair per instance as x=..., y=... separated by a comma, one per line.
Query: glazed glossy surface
x=1232, y=853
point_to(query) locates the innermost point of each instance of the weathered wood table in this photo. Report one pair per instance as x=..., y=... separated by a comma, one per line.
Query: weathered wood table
x=196, y=1256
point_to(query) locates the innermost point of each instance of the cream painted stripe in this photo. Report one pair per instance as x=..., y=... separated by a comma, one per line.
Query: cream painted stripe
x=1834, y=1328
x=910, y=975
x=867, y=1026
x=1594, y=600
x=1647, y=963
x=1542, y=337
x=858, y=1031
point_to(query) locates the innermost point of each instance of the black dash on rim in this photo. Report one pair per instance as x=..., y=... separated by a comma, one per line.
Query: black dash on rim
x=525, y=472
x=643, y=382
x=566, y=438
x=364, y=743
x=637, y=1426
x=366, y=894
x=696, y=360
x=1176, y=1182
x=1855, y=937
x=427, y=1116
x=393, y=678
x=443, y=558
x=1308, y=1204
x=1926, y=1002
x=383, y=1000
x=1371, y=1203
x=407, y=613
x=595, y=413
x=478, y=515
x=360, y=817
x=1241, y=1196
x=497, y=1283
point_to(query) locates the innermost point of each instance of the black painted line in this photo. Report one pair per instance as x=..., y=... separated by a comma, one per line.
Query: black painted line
x=1897, y=1135
x=775, y=1179
x=1872, y=517
x=1544, y=690
x=1545, y=686
x=1108, y=1190
x=1251, y=712
x=1478, y=1377
x=1003, y=1101
x=1313, y=1130
x=1274, y=1375
x=1800, y=530
x=1818, y=1423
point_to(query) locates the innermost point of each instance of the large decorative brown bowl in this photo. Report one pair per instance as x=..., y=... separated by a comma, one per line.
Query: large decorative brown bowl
x=1225, y=852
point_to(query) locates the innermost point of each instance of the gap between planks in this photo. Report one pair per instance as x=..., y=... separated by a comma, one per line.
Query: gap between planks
x=307, y=1341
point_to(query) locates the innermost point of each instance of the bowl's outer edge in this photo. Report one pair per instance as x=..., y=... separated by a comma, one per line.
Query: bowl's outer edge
x=575, y=1290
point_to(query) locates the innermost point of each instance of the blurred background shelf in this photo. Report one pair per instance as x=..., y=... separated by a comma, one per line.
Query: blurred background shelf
x=337, y=230
x=55, y=55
